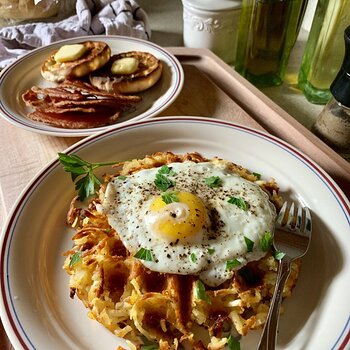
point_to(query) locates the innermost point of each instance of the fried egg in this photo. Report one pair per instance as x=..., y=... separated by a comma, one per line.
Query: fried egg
x=190, y=218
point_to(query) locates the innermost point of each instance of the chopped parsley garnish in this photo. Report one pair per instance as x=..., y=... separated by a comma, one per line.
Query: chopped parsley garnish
x=278, y=255
x=257, y=175
x=165, y=170
x=163, y=183
x=213, y=181
x=81, y=173
x=266, y=241
x=169, y=197
x=144, y=254
x=211, y=251
x=122, y=177
x=76, y=257
x=148, y=344
x=233, y=343
x=249, y=243
x=240, y=202
x=231, y=264
x=201, y=293
x=193, y=257
x=162, y=180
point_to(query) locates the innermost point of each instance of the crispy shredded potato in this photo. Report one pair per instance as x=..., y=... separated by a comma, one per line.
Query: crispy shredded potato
x=143, y=306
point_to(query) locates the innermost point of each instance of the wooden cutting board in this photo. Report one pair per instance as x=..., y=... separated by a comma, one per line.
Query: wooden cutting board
x=211, y=89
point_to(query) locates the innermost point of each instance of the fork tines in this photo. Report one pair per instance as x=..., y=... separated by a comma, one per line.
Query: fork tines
x=289, y=218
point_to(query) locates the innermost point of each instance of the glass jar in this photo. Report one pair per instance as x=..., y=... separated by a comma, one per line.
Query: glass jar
x=267, y=33
x=213, y=25
x=324, y=49
x=333, y=123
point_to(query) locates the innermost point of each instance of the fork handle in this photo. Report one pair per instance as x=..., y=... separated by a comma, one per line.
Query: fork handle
x=268, y=338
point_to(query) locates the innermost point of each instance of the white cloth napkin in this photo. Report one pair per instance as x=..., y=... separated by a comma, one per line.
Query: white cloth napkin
x=110, y=17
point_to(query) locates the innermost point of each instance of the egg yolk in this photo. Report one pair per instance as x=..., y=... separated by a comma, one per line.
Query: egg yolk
x=180, y=219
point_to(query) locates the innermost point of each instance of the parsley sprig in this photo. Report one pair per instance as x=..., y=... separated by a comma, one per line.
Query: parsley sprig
x=249, y=243
x=233, y=343
x=169, y=197
x=144, y=254
x=266, y=241
x=82, y=173
x=162, y=180
x=213, y=181
x=211, y=251
x=278, y=255
x=193, y=257
x=75, y=258
x=231, y=264
x=239, y=202
x=201, y=292
x=257, y=175
x=166, y=170
x=148, y=345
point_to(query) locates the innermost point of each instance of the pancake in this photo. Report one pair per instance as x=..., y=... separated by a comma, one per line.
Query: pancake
x=148, y=72
x=96, y=55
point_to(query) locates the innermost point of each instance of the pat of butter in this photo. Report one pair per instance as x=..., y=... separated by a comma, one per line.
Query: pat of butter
x=125, y=65
x=68, y=53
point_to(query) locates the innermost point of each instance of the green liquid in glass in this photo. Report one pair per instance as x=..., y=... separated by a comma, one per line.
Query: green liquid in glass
x=324, y=51
x=267, y=33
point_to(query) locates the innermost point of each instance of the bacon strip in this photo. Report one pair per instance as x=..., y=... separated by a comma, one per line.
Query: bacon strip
x=76, y=104
x=76, y=120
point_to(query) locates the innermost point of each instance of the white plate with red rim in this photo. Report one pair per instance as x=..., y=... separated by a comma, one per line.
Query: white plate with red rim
x=25, y=73
x=35, y=307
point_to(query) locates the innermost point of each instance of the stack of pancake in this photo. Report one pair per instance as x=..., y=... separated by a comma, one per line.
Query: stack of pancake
x=92, y=87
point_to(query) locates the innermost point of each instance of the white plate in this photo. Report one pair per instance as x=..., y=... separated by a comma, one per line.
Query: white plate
x=25, y=73
x=36, y=309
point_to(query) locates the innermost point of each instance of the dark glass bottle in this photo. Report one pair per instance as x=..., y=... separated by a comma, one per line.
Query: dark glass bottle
x=333, y=123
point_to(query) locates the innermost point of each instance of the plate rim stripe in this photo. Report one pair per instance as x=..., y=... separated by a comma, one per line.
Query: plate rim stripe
x=43, y=173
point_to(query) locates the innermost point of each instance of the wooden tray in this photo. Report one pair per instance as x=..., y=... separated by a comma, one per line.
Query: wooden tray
x=211, y=89
x=239, y=101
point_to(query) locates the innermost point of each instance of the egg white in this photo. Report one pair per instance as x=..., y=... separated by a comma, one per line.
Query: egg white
x=222, y=237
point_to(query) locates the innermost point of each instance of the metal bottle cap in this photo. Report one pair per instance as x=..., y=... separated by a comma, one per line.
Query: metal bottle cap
x=340, y=88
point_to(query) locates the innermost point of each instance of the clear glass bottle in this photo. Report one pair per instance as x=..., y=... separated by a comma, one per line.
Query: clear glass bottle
x=333, y=123
x=324, y=49
x=267, y=33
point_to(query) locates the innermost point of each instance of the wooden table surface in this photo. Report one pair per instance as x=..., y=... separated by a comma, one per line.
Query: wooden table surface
x=24, y=153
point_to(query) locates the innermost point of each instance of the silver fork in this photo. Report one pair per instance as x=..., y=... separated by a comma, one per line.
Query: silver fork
x=292, y=237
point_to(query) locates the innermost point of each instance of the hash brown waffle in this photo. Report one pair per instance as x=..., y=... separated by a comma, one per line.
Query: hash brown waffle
x=143, y=306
